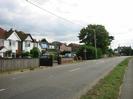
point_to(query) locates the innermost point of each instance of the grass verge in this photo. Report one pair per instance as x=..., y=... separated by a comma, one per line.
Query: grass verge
x=108, y=87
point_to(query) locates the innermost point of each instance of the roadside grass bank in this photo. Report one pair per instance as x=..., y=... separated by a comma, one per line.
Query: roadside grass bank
x=109, y=86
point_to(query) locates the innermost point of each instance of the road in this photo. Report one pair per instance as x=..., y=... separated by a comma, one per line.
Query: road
x=60, y=82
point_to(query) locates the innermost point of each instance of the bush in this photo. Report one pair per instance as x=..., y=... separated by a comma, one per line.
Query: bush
x=25, y=54
x=34, y=52
x=90, y=52
x=99, y=53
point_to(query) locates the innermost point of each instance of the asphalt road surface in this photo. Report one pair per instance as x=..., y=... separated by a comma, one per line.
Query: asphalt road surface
x=60, y=82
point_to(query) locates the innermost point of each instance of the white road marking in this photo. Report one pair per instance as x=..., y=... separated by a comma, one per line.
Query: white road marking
x=74, y=69
x=2, y=89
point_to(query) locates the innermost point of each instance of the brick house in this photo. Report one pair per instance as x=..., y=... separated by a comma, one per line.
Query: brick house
x=64, y=47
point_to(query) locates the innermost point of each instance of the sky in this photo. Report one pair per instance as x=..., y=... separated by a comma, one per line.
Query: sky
x=115, y=15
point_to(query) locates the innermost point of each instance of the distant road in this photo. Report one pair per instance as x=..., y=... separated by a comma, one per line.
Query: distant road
x=60, y=82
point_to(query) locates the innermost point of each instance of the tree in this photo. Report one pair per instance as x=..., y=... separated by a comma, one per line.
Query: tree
x=103, y=39
x=34, y=52
x=127, y=51
x=110, y=52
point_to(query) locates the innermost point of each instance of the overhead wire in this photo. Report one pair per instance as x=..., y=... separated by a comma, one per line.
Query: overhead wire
x=45, y=10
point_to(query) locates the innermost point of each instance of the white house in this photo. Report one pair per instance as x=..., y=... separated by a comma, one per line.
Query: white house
x=28, y=43
x=9, y=43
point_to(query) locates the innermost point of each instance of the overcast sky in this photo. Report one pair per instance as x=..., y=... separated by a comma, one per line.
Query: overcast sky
x=115, y=15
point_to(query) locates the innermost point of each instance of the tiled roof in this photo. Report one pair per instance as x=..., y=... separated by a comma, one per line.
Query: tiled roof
x=2, y=33
x=21, y=35
x=5, y=34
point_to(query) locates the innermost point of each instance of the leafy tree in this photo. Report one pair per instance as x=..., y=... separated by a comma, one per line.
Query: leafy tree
x=110, y=52
x=125, y=50
x=34, y=52
x=87, y=36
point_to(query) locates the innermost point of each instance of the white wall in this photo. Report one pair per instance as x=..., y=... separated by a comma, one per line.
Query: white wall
x=51, y=47
x=13, y=46
x=39, y=47
x=13, y=38
x=27, y=48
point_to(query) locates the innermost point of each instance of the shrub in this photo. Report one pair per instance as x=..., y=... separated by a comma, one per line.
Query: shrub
x=25, y=54
x=34, y=52
x=90, y=52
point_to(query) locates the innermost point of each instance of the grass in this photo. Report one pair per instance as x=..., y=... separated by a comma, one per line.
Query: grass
x=108, y=87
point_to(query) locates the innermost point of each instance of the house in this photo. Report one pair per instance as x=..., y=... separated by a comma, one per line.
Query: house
x=74, y=47
x=51, y=46
x=46, y=47
x=56, y=44
x=13, y=43
x=27, y=42
x=64, y=47
x=9, y=42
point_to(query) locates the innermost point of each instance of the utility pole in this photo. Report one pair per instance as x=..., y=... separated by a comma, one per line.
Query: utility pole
x=95, y=42
x=85, y=54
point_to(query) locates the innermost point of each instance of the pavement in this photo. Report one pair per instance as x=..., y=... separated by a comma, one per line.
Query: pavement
x=127, y=87
x=68, y=81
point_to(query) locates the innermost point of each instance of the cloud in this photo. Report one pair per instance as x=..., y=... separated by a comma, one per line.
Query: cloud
x=115, y=15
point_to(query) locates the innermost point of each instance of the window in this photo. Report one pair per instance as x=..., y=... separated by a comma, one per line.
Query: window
x=27, y=44
x=11, y=43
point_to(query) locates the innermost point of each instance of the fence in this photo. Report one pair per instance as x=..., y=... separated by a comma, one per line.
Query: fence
x=15, y=64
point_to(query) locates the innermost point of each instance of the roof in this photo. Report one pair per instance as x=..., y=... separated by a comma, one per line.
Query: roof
x=2, y=33
x=30, y=36
x=21, y=35
x=5, y=34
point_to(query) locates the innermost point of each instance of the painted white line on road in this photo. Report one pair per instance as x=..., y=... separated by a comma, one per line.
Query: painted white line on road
x=74, y=69
x=2, y=89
